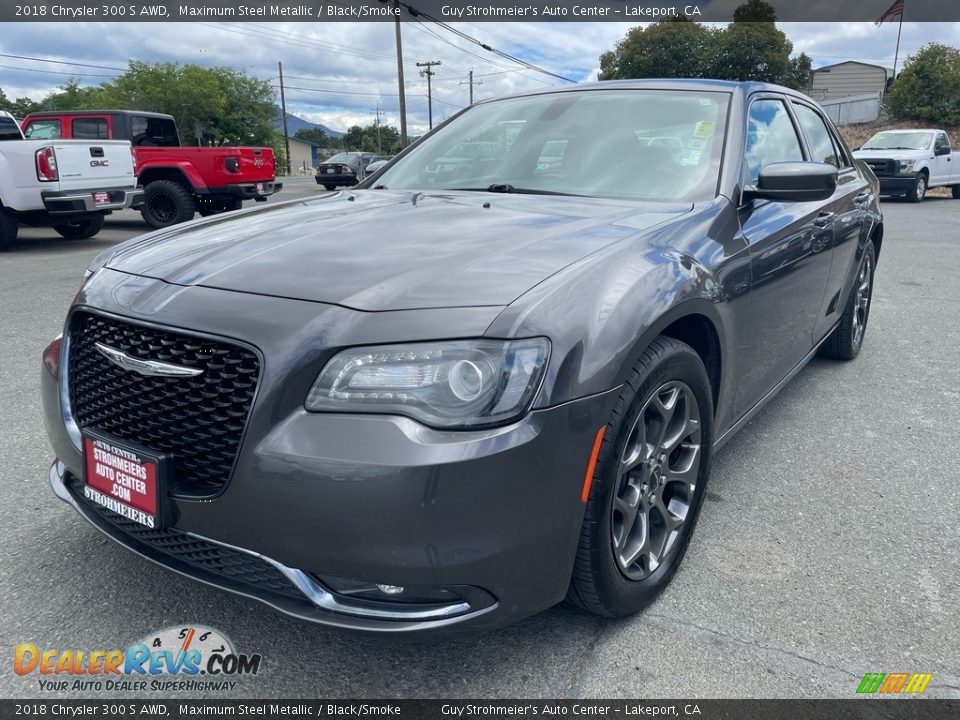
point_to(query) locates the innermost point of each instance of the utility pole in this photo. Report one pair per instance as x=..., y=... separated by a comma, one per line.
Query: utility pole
x=403, y=97
x=283, y=109
x=377, y=125
x=428, y=73
x=470, y=82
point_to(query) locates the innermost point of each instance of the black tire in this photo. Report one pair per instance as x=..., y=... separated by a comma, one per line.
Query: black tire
x=956, y=192
x=600, y=583
x=919, y=189
x=847, y=339
x=167, y=203
x=80, y=229
x=9, y=226
x=330, y=187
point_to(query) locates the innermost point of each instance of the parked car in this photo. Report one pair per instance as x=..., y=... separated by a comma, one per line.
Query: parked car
x=67, y=185
x=178, y=181
x=501, y=392
x=909, y=162
x=347, y=168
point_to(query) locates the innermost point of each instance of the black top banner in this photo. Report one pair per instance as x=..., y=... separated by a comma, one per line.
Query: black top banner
x=864, y=709
x=639, y=11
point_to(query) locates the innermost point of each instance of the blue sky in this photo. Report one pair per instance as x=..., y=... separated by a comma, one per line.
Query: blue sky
x=338, y=73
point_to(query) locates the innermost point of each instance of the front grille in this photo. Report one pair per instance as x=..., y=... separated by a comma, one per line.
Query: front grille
x=882, y=167
x=198, y=421
x=224, y=562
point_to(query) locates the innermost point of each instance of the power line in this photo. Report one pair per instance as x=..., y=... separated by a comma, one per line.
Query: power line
x=55, y=72
x=62, y=62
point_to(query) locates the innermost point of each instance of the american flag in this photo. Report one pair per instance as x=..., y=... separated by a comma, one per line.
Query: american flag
x=892, y=11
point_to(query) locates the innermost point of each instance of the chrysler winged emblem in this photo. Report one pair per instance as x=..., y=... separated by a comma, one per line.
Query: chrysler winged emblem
x=150, y=368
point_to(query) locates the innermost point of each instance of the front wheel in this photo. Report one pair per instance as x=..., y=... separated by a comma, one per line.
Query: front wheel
x=847, y=338
x=648, y=485
x=80, y=229
x=919, y=189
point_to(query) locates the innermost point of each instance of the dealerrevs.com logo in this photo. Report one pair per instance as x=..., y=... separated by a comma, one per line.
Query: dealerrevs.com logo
x=187, y=658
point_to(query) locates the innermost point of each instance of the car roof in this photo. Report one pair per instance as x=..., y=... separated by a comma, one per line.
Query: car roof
x=728, y=86
x=57, y=113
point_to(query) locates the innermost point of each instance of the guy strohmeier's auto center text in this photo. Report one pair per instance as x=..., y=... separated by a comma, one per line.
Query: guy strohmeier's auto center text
x=324, y=11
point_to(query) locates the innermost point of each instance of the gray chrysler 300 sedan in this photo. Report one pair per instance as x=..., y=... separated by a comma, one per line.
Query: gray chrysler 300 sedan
x=444, y=401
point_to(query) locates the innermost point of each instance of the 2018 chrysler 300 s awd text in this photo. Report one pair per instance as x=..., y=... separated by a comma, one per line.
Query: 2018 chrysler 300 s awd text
x=444, y=401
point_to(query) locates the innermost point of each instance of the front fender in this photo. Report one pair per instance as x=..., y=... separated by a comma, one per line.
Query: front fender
x=601, y=313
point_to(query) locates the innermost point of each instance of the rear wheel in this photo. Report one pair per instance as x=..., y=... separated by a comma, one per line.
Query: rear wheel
x=329, y=187
x=648, y=485
x=8, y=229
x=80, y=229
x=847, y=338
x=167, y=203
x=919, y=188
x=956, y=192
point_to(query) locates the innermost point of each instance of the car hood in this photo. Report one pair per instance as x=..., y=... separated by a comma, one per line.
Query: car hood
x=391, y=250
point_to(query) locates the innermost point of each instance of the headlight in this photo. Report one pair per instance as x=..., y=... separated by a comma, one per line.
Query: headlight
x=450, y=384
x=907, y=165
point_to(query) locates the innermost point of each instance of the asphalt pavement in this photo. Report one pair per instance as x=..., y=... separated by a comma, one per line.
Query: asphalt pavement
x=829, y=545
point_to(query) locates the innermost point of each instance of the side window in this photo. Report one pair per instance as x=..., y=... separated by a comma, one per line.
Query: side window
x=821, y=144
x=90, y=129
x=43, y=130
x=771, y=136
x=153, y=132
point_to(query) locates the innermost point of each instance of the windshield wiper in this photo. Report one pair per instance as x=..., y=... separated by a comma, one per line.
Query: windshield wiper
x=508, y=188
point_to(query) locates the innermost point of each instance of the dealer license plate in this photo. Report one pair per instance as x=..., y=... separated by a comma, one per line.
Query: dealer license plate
x=259, y=188
x=101, y=198
x=330, y=171
x=124, y=479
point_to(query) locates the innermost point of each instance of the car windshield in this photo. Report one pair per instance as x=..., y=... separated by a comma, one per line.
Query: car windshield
x=899, y=141
x=346, y=158
x=640, y=144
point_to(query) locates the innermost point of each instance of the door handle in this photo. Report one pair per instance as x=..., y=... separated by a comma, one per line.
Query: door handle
x=823, y=219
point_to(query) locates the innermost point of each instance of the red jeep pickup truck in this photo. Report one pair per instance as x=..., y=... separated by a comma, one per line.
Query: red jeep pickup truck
x=177, y=181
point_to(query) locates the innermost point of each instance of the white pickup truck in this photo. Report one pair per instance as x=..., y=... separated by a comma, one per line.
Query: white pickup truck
x=67, y=184
x=908, y=162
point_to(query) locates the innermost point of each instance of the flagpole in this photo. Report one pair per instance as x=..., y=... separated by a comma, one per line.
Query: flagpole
x=896, y=53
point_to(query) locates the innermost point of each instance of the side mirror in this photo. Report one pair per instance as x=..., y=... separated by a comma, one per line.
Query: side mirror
x=794, y=182
x=942, y=150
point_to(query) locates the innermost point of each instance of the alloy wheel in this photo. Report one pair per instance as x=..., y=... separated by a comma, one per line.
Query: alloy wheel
x=861, y=300
x=163, y=207
x=657, y=479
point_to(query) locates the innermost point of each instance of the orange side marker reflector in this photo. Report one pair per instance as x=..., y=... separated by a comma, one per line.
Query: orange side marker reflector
x=592, y=465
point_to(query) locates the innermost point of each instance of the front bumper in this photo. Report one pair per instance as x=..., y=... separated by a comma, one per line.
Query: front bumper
x=75, y=202
x=493, y=514
x=897, y=185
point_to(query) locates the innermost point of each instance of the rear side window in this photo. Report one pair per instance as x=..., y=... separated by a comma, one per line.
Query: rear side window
x=822, y=148
x=9, y=130
x=153, y=132
x=90, y=129
x=44, y=130
x=771, y=136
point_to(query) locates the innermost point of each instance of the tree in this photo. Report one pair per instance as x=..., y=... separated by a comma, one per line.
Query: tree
x=755, y=11
x=317, y=136
x=928, y=87
x=18, y=108
x=750, y=48
x=221, y=105
x=676, y=48
x=366, y=139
